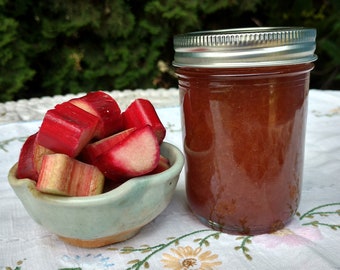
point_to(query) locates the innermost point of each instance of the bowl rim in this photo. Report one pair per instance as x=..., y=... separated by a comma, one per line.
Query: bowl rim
x=114, y=194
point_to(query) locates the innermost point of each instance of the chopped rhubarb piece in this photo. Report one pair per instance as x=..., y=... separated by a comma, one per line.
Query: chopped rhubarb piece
x=93, y=150
x=136, y=155
x=105, y=108
x=30, y=158
x=26, y=167
x=67, y=129
x=163, y=165
x=140, y=113
x=62, y=175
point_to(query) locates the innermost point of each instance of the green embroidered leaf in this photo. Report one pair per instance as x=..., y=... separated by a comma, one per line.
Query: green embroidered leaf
x=77, y=268
x=248, y=257
x=197, y=240
x=5, y=143
x=112, y=248
x=133, y=261
x=315, y=223
x=217, y=236
x=127, y=250
x=206, y=243
x=239, y=238
x=334, y=227
x=146, y=250
x=146, y=265
x=237, y=248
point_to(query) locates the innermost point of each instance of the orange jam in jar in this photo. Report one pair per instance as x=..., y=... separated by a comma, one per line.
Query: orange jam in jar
x=244, y=100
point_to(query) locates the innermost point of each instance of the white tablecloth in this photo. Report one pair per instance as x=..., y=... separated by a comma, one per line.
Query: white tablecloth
x=175, y=239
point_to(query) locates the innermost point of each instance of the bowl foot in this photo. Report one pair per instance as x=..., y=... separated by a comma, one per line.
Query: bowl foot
x=100, y=242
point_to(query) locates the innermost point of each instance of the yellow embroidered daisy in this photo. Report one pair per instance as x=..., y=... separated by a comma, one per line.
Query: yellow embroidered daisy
x=187, y=258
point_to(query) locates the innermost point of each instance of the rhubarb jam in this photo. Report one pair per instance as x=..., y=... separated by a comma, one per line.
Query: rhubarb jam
x=243, y=137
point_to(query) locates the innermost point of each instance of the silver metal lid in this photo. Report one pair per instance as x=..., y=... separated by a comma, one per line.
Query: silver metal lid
x=245, y=47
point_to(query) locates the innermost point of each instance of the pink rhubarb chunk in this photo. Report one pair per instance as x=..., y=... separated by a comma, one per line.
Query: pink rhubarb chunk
x=141, y=112
x=105, y=108
x=30, y=158
x=62, y=175
x=93, y=150
x=163, y=165
x=136, y=155
x=67, y=129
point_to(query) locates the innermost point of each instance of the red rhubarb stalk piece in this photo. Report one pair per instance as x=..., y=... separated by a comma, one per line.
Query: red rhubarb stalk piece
x=93, y=150
x=67, y=129
x=141, y=112
x=105, y=108
x=163, y=165
x=30, y=158
x=136, y=155
x=62, y=175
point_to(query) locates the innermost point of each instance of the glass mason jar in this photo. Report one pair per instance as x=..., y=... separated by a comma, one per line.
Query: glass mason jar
x=243, y=95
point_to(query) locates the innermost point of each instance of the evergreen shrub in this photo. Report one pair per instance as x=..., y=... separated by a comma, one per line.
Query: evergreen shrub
x=58, y=47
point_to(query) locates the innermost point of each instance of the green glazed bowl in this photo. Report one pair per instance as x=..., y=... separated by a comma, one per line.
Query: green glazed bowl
x=104, y=219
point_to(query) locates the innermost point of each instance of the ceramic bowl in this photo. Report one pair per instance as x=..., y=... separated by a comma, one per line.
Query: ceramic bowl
x=110, y=217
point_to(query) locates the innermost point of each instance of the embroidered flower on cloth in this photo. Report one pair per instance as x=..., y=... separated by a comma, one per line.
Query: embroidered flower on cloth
x=187, y=258
x=294, y=235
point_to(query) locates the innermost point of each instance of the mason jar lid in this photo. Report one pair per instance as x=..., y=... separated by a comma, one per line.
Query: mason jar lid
x=245, y=47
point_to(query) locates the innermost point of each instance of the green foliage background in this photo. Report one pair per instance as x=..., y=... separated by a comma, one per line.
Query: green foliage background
x=58, y=47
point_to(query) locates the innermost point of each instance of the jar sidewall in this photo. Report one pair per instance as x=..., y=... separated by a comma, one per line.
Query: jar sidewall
x=190, y=80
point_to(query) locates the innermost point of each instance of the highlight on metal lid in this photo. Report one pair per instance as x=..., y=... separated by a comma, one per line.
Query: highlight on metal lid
x=245, y=47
